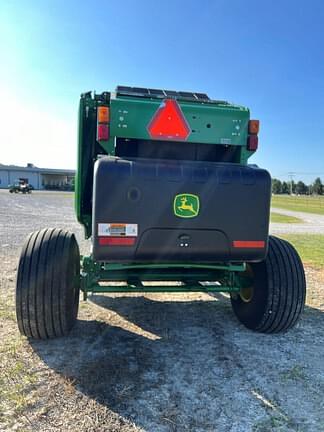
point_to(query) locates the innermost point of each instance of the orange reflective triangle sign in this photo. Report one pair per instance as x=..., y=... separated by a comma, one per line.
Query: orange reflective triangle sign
x=169, y=123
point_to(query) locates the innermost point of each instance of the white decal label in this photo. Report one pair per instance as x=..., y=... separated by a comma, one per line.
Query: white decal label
x=117, y=230
x=225, y=141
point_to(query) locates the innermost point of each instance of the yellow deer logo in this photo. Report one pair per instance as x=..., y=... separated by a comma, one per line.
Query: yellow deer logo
x=186, y=205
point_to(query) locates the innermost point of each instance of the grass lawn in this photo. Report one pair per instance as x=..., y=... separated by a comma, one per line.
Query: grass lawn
x=307, y=204
x=309, y=246
x=280, y=218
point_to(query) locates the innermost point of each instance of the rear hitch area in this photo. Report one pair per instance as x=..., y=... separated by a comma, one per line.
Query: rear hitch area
x=100, y=277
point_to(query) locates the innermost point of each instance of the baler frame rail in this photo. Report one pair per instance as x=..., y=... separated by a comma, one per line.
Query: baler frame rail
x=97, y=277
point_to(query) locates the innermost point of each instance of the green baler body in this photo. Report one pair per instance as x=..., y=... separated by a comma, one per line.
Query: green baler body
x=215, y=127
x=209, y=124
x=216, y=123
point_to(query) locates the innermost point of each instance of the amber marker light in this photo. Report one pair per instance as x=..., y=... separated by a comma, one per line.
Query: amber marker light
x=103, y=114
x=254, y=126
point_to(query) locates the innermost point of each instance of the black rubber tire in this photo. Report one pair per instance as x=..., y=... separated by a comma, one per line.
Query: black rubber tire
x=279, y=290
x=47, y=288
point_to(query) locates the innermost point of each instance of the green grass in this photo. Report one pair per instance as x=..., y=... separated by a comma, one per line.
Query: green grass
x=309, y=246
x=307, y=204
x=280, y=218
x=16, y=379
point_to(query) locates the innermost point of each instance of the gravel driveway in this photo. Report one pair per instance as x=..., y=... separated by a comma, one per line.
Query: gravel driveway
x=155, y=363
x=312, y=223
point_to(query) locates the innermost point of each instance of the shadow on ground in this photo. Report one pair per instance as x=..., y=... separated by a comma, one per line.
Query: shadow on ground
x=189, y=365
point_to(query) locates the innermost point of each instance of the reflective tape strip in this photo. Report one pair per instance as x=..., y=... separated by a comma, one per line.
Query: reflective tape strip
x=252, y=244
x=116, y=241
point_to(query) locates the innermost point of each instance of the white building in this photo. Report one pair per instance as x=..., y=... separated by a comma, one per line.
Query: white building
x=39, y=178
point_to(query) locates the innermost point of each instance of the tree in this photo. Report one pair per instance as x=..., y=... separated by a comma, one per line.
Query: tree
x=276, y=186
x=285, y=189
x=301, y=188
x=318, y=186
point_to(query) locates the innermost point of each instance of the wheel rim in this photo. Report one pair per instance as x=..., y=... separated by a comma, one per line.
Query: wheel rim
x=246, y=293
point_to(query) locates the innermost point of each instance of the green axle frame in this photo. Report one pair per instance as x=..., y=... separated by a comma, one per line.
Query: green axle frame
x=232, y=122
x=104, y=277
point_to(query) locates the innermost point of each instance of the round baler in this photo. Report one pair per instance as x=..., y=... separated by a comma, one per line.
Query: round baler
x=165, y=192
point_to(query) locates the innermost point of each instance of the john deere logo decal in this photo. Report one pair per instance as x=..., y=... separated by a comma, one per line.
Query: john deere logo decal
x=186, y=205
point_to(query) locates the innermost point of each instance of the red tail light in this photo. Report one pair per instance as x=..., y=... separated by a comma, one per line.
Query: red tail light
x=169, y=122
x=253, y=129
x=102, y=132
x=252, y=143
x=103, y=123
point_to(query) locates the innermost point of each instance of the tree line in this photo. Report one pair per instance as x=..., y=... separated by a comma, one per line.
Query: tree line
x=297, y=188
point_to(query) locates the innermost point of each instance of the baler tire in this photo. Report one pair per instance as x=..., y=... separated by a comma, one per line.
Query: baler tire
x=47, y=287
x=279, y=291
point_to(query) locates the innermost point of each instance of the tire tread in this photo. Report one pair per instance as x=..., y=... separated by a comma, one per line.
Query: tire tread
x=284, y=288
x=45, y=299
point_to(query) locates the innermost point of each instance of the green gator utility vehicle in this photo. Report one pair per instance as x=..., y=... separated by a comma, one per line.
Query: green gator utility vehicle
x=165, y=192
x=21, y=186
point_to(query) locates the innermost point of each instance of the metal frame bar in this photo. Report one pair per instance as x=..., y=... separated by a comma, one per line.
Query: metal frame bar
x=188, y=277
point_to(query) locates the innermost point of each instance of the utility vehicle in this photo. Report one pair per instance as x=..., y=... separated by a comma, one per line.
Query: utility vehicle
x=21, y=186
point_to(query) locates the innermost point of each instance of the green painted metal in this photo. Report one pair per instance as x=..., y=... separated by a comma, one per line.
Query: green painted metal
x=212, y=123
x=112, y=266
x=86, y=153
x=221, y=277
x=78, y=177
x=209, y=123
x=159, y=289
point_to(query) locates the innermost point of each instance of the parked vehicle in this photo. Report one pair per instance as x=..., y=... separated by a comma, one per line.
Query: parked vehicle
x=22, y=187
x=165, y=192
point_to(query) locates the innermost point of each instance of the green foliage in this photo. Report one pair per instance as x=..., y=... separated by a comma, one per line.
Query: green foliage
x=318, y=186
x=299, y=188
x=276, y=186
x=285, y=188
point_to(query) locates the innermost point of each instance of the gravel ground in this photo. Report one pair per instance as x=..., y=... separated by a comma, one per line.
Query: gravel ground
x=154, y=363
x=312, y=223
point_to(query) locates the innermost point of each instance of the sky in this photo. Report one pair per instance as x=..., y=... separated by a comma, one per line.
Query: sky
x=266, y=55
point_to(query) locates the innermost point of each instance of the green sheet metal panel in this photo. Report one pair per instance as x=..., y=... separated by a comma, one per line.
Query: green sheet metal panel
x=209, y=123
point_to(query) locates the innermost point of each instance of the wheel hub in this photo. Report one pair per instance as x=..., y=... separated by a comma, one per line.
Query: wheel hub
x=246, y=294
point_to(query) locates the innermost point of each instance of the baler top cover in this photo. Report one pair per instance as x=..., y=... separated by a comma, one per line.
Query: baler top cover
x=163, y=94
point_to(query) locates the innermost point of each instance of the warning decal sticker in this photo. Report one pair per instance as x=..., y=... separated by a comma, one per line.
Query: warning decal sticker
x=117, y=230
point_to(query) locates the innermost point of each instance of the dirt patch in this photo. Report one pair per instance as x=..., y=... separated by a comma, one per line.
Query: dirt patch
x=162, y=363
x=155, y=363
